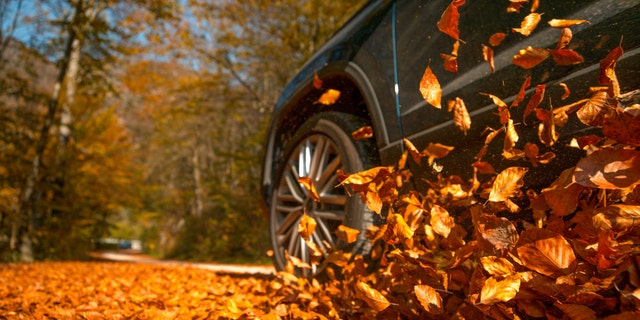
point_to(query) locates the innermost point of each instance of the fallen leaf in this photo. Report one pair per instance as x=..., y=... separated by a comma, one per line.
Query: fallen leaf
x=497, y=267
x=484, y=167
x=430, y=88
x=563, y=195
x=371, y=296
x=448, y=23
x=499, y=232
x=622, y=126
x=450, y=62
x=510, y=137
x=594, y=110
x=429, y=298
x=566, y=57
x=534, y=101
x=609, y=168
x=507, y=183
x=317, y=82
x=565, y=38
x=608, y=73
x=566, y=90
x=617, y=217
x=413, y=151
x=441, y=221
x=546, y=252
x=534, y=5
x=329, y=97
x=528, y=24
x=503, y=109
x=530, y=57
x=564, y=23
x=520, y=97
x=436, y=151
x=515, y=5
x=494, y=291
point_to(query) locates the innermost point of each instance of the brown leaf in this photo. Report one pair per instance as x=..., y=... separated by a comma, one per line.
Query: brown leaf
x=448, y=23
x=595, y=109
x=609, y=169
x=484, y=167
x=576, y=311
x=365, y=132
x=534, y=5
x=329, y=97
x=608, y=73
x=430, y=88
x=563, y=23
x=510, y=137
x=487, y=53
x=413, y=151
x=507, y=183
x=547, y=129
x=503, y=109
x=499, y=232
x=528, y=24
x=497, y=38
x=461, y=117
x=530, y=57
x=441, y=221
x=450, y=62
x=346, y=234
x=531, y=151
x=566, y=57
x=307, y=183
x=429, y=298
x=546, y=252
x=562, y=196
x=373, y=201
x=617, y=217
x=520, y=97
x=307, y=226
x=494, y=291
x=371, y=296
x=622, y=126
x=397, y=229
x=436, y=151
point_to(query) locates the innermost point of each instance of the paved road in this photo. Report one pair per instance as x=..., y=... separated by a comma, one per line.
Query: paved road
x=217, y=267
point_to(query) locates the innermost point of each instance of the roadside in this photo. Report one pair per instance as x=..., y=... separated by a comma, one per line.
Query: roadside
x=134, y=257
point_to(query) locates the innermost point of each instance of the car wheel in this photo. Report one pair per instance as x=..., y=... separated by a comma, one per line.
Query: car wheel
x=318, y=149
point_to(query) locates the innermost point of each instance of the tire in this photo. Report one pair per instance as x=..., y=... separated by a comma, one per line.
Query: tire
x=322, y=145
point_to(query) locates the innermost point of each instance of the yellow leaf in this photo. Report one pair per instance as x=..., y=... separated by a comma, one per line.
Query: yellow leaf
x=307, y=226
x=371, y=296
x=494, y=291
x=329, y=97
x=430, y=88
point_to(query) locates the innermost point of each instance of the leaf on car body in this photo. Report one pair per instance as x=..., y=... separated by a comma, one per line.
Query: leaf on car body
x=448, y=23
x=430, y=88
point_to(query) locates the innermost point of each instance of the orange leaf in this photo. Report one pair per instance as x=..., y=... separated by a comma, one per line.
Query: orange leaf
x=617, y=217
x=487, y=53
x=500, y=232
x=429, y=298
x=362, y=133
x=371, y=296
x=531, y=151
x=507, y=183
x=461, y=117
x=566, y=90
x=484, y=167
x=307, y=226
x=546, y=252
x=503, y=110
x=374, y=202
x=563, y=23
x=520, y=97
x=450, y=62
x=397, y=229
x=329, y=97
x=563, y=195
x=609, y=169
x=413, y=151
x=530, y=57
x=346, y=234
x=497, y=267
x=547, y=128
x=511, y=136
x=534, y=5
x=317, y=82
x=436, y=151
x=307, y=183
x=514, y=5
x=528, y=24
x=565, y=38
x=441, y=221
x=430, y=88
x=448, y=23
x=534, y=101
x=494, y=291
x=497, y=38
x=566, y=57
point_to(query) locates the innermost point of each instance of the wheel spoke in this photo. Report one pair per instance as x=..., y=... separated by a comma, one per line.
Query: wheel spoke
x=329, y=215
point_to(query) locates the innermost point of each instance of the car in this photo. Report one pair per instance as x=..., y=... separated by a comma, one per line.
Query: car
x=376, y=62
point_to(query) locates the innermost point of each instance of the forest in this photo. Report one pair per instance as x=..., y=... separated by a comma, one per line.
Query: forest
x=144, y=120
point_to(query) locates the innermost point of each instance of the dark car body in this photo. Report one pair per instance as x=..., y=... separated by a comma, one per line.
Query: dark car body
x=376, y=60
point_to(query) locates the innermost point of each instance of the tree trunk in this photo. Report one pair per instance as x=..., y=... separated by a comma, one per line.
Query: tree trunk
x=197, y=183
